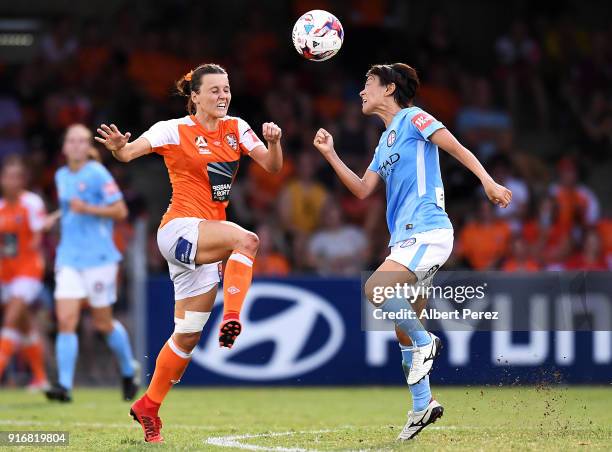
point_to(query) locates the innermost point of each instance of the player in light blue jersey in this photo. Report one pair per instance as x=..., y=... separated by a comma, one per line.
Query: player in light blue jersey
x=406, y=159
x=87, y=260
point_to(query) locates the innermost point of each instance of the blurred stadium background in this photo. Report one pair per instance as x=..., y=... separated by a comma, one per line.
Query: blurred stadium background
x=526, y=86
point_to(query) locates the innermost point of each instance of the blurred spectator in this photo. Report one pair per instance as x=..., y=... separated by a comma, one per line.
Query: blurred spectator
x=290, y=106
x=501, y=171
x=578, y=207
x=351, y=135
x=437, y=96
x=481, y=125
x=65, y=108
x=262, y=188
x=544, y=233
x=338, y=248
x=521, y=258
x=329, y=104
x=596, y=124
x=366, y=13
x=154, y=69
x=269, y=261
x=60, y=44
x=301, y=204
x=590, y=257
x=437, y=45
x=519, y=56
x=484, y=241
x=303, y=199
x=11, y=127
x=94, y=53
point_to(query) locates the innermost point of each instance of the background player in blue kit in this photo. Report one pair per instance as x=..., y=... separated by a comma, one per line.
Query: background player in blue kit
x=406, y=158
x=87, y=260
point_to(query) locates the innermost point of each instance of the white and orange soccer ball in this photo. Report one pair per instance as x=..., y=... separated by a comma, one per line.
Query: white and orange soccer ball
x=317, y=35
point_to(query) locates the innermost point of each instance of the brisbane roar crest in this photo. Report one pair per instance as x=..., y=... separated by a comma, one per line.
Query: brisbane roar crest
x=231, y=139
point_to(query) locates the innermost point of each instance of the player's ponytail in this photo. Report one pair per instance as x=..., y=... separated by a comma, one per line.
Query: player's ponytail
x=403, y=76
x=192, y=81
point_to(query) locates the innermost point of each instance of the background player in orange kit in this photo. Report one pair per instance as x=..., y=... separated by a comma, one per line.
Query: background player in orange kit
x=202, y=153
x=22, y=217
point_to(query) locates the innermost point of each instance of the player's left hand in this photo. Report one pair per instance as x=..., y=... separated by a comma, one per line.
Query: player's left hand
x=498, y=194
x=78, y=206
x=271, y=132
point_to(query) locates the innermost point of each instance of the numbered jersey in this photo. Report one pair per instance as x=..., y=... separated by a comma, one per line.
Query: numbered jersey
x=19, y=221
x=202, y=164
x=408, y=163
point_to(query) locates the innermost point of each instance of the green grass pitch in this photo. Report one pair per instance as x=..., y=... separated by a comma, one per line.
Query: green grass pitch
x=368, y=418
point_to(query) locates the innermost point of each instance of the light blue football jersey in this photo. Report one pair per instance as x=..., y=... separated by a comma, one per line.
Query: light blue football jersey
x=86, y=240
x=408, y=163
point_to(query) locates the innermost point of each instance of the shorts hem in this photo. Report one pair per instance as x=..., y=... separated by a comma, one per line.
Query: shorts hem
x=205, y=289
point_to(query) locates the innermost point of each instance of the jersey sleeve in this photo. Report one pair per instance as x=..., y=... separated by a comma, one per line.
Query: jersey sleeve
x=424, y=125
x=161, y=135
x=247, y=139
x=36, y=211
x=374, y=164
x=109, y=188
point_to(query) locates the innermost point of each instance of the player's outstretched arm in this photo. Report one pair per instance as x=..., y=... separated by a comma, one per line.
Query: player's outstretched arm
x=118, y=143
x=498, y=194
x=362, y=187
x=116, y=211
x=270, y=158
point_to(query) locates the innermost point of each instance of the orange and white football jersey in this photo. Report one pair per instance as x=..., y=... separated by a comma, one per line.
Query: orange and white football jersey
x=202, y=164
x=19, y=221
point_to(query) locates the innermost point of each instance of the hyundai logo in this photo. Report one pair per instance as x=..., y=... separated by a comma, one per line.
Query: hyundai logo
x=289, y=330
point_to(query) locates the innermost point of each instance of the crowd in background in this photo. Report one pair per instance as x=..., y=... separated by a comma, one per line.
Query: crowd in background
x=537, y=111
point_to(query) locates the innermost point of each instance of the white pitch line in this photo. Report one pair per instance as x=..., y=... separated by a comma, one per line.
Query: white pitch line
x=235, y=440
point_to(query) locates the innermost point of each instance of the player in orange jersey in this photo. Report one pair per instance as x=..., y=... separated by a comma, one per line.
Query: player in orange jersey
x=22, y=216
x=202, y=152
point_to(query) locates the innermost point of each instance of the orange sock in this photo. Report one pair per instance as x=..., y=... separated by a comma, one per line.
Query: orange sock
x=9, y=339
x=169, y=368
x=236, y=283
x=34, y=353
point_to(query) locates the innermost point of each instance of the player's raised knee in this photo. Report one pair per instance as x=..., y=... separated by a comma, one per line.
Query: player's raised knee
x=249, y=243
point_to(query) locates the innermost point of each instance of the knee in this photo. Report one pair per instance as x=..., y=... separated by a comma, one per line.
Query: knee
x=103, y=326
x=249, y=243
x=66, y=322
x=372, y=291
x=186, y=341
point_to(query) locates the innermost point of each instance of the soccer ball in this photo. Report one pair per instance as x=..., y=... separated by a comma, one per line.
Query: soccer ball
x=317, y=35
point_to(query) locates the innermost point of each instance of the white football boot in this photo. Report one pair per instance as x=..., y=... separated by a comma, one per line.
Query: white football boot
x=423, y=358
x=417, y=421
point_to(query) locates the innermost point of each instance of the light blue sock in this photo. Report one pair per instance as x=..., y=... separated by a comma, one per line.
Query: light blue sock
x=119, y=342
x=421, y=392
x=410, y=326
x=66, y=351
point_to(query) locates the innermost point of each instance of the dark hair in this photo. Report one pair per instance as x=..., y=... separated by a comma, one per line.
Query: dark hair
x=193, y=80
x=14, y=160
x=405, y=78
x=73, y=126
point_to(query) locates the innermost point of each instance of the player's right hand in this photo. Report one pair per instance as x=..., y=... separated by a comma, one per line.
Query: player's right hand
x=324, y=142
x=112, y=139
x=498, y=194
